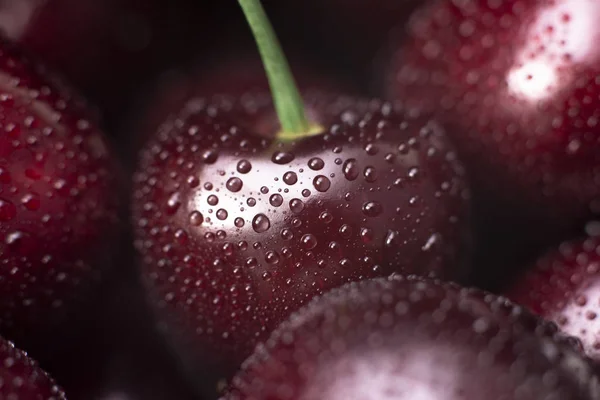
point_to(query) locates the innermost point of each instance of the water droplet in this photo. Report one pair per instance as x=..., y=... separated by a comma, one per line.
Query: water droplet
x=251, y=262
x=264, y=190
x=234, y=184
x=251, y=201
x=173, y=203
x=181, y=236
x=193, y=181
x=221, y=234
x=346, y=231
x=371, y=149
x=370, y=174
x=316, y=164
x=290, y=178
x=7, y=210
x=209, y=237
x=372, y=209
x=212, y=200
x=345, y=263
x=222, y=214
x=208, y=186
x=276, y=200
x=271, y=257
x=261, y=223
x=209, y=156
x=287, y=234
x=326, y=217
x=321, y=183
x=4, y=176
x=390, y=238
x=244, y=166
x=350, y=169
x=366, y=235
x=281, y=157
x=196, y=218
x=296, y=205
x=239, y=222
x=296, y=222
x=287, y=253
x=305, y=192
x=227, y=249
x=413, y=173
x=308, y=241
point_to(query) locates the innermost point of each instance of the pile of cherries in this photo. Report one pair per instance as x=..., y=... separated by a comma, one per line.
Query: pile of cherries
x=411, y=215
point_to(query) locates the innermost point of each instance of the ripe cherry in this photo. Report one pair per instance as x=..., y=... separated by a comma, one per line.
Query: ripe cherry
x=243, y=214
x=563, y=286
x=59, y=199
x=406, y=338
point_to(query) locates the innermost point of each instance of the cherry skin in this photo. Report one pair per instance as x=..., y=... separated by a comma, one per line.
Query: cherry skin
x=405, y=338
x=563, y=286
x=59, y=199
x=22, y=379
x=516, y=87
x=236, y=228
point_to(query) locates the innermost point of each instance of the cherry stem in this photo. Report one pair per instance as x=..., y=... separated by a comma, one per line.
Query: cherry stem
x=288, y=101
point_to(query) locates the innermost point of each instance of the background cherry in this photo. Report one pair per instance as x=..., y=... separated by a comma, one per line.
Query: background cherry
x=564, y=287
x=405, y=338
x=22, y=379
x=59, y=201
x=517, y=89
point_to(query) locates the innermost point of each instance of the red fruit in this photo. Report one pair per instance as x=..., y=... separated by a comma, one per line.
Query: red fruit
x=564, y=287
x=517, y=85
x=407, y=339
x=22, y=379
x=237, y=229
x=58, y=198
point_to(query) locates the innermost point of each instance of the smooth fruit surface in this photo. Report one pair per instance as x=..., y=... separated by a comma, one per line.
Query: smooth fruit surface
x=236, y=229
x=516, y=83
x=564, y=287
x=404, y=338
x=59, y=198
x=22, y=379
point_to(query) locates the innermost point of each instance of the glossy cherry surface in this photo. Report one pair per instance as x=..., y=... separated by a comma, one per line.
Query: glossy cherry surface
x=405, y=338
x=236, y=229
x=59, y=198
x=517, y=84
x=22, y=379
x=564, y=287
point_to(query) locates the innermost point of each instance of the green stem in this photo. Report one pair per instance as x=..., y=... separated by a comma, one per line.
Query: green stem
x=288, y=101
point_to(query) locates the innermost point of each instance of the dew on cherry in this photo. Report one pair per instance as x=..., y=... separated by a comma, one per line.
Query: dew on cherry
x=287, y=234
x=296, y=206
x=350, y=169
x=261, y=223
x=305, y=193
x=316, y=164
x=251, y=201
x=7, y=210
x=290, y=178
x=234, y=184
x=282, y=157
x=370, y=174
x=196, y=218
x=173, y=203
x=321, y=183
x=244, y=166
x=276, y=200
x=308, y=241
x=372, y=209
x=212, y=200
x=272, y=257
x=222, y=214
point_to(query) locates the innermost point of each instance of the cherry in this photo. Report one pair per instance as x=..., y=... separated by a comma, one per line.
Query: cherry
x=563, y=287
x=516, y=85
x=243, y=214
x=59, y=199
x=22, y=379
x=408, y=338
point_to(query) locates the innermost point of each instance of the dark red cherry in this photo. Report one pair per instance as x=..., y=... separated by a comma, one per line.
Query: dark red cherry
x=59, y=199
x=406, y=339
x=22, y=379
x=564, y=287
x=516, y=85
x=236, y=228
